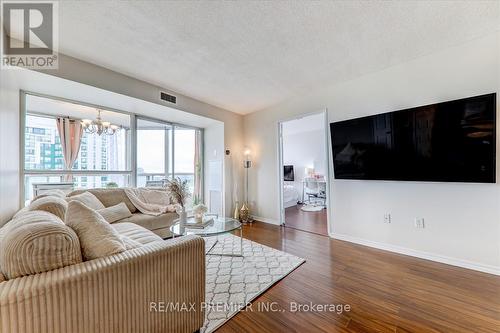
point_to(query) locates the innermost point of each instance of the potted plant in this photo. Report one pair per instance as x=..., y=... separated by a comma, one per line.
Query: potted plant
x=179, y=193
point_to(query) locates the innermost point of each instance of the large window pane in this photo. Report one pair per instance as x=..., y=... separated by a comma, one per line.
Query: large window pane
x=88, y=153
x=184, y=154
x=42, y=144
x=103, y=152
x=154, y=147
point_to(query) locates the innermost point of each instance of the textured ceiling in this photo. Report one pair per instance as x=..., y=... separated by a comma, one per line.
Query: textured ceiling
x=245, y=56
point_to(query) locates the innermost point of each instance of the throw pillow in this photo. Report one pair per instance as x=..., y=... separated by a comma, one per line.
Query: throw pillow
x=54, y=205
x=51, y=193
x=36, y=242
x=97, y=238
x=88, y=199
x=115, y=213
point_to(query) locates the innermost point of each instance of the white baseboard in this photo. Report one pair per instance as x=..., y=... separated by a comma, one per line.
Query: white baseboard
x=266, y=220
x=420, y=254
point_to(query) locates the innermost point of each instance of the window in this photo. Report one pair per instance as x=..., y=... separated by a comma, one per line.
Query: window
x=101, y=160
x=163, y=150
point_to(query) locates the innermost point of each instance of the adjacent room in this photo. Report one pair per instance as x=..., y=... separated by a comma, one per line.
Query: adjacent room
x=219, y=166
x=304, y=161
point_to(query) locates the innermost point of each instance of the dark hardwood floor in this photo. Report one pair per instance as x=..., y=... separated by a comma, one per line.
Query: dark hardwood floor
x=386, y=292
x=307, y=221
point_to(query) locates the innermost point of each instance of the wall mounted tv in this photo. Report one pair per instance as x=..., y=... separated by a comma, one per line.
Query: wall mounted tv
x=446, y=142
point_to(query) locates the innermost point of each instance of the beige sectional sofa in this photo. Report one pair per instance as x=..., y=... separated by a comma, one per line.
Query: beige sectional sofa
x=50, y=287
x=160, y=225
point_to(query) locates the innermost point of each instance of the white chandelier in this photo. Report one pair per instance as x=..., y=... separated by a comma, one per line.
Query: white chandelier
x=98, y=126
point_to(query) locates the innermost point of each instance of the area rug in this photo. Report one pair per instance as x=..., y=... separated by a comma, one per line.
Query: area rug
x=312, y=208
x=233, y=282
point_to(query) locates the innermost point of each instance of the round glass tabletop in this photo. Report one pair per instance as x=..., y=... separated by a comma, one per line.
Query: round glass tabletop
x=219, y=225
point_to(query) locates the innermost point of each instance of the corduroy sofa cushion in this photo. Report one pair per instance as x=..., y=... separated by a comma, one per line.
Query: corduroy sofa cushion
x=50, y=204
x=109, y=197
x=35, y=242
x=51, y=193
x=152, y=222
x=130, y=243
x=136, y=233
x=88, y=199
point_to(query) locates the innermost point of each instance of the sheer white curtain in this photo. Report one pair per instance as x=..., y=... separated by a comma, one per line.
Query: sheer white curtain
x=70, y=133
x=198, y=186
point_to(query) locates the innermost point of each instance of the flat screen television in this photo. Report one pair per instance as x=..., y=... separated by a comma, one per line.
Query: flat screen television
x=445, y=142
x=288, y=174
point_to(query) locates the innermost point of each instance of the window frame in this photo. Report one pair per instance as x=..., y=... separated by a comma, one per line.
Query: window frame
x=131, y=171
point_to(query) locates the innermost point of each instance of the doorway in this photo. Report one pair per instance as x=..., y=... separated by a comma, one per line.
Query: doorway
x=303, y=150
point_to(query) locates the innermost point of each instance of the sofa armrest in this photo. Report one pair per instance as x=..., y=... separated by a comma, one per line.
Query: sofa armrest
x=119, y=293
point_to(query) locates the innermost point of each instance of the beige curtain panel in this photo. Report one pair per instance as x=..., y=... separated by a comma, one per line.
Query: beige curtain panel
x=70, y=132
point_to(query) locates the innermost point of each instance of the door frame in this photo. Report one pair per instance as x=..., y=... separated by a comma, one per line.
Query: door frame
x=281, y=182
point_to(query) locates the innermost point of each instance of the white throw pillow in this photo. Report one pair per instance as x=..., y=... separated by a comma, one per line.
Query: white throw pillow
x=51, y=204
x=115, y=213
x=51, y=193
x=97, y=238
x=88, y=199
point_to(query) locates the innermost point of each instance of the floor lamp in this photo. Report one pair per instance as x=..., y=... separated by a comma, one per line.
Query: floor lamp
x=245, y=209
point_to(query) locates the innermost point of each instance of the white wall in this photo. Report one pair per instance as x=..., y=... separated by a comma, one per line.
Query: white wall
x=305, y=149
x=462, y=220
x=127, y=94
x=214, y=165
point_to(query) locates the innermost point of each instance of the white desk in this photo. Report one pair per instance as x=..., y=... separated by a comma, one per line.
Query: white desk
x=321, y=183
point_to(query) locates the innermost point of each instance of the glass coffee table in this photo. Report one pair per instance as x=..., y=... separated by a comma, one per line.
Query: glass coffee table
x=219, y=226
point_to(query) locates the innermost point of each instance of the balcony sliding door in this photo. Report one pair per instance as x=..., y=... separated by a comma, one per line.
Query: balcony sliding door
x=185, y=159
x=167, y=150
x=154, y=152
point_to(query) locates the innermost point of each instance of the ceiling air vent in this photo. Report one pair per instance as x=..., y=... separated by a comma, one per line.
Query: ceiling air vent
x=167, y=97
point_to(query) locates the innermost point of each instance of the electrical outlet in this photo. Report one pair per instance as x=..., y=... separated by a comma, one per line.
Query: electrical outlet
x=419, y=222
x=387, y=218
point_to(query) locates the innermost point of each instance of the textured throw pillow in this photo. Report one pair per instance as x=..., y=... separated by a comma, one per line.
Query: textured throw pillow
x=21, y=211
x=51, y=193
x=115, y=213
x=88, y=199
x=54, y=205
x=130, y=243
x=36, y=242
x=97, y=238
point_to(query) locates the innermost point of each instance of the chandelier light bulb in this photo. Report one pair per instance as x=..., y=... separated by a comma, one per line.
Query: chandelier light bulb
x=98, y=126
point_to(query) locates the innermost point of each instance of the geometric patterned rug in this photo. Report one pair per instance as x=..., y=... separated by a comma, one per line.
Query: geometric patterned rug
x=233, y=282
